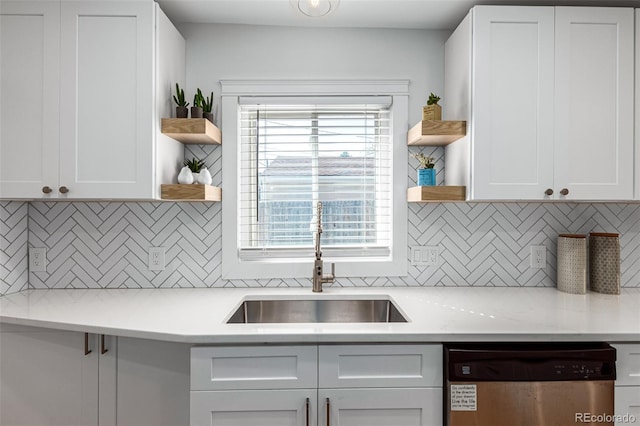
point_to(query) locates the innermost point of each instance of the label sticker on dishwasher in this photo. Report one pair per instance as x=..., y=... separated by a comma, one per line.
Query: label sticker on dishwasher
x=463, y=398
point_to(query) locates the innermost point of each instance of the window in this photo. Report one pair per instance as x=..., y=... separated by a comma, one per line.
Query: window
x=293, y=151
x=293, y=156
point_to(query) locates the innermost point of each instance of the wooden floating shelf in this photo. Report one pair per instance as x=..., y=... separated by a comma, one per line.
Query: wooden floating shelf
x=436, y=132
x=192, y=130
x=190, y=192
x=419, y=194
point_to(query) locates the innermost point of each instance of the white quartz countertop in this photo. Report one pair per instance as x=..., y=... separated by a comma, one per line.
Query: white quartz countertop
x=435, y=314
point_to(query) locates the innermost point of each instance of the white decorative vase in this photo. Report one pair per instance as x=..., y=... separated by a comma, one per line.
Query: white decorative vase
x=204, y=178
x=185, y=176
x=195, y=177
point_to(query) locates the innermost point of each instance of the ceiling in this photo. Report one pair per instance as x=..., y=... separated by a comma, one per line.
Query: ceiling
x=405, y=14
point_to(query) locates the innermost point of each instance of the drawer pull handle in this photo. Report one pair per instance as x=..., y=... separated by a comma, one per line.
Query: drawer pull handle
x=307, y=411
x=328, y=412
x=103, y=349
x=87, y=351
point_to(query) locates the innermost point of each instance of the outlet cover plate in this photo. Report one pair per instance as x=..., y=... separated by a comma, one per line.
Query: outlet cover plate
x=37, y=259
x=538, y=257
x=424, y=255
x=156, y=258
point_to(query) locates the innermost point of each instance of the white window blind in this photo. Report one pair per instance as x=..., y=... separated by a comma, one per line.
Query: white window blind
x=295, y=152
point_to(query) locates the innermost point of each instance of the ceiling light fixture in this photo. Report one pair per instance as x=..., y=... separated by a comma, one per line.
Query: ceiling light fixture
x=315, y=8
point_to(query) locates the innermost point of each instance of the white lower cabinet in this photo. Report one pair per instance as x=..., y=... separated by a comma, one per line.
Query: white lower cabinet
x=281, y=407
x=50, y=377
x=627, y=396
x=380, y=407
x=339, y=385
x=46, y=378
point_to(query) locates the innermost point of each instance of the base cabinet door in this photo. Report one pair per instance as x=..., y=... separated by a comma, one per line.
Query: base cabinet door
x=292, y=407
x=46, y=378
x=148, y=385
x=380, y=407
x=627, y=405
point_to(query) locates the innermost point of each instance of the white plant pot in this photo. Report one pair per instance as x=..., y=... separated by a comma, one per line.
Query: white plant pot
x=185, y=176
x=204, y=177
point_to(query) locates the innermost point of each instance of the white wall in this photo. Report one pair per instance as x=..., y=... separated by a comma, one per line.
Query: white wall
x=227, y=52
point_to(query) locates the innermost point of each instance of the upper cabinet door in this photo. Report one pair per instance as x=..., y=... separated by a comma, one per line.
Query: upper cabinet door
x=29, y=83
x=637, y=143
x=513, y=68
x=594, y=102
x=106, y=130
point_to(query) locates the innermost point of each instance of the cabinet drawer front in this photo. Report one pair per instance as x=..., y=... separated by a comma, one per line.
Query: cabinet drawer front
x=627, y=404
x=628, y=364
x=252, y=367
x=380, y=407
x=380, y=366
x=259, y=407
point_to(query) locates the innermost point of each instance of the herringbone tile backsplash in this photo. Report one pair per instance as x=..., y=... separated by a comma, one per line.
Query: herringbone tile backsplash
x=105, y=244
x=14, y=274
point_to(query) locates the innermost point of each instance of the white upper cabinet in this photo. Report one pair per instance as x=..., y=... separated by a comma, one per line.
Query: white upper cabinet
x=637, y=170
x=29, y=88
x=106, y=104
x=513, y=102
x=548, y=93
x=118, y=62
x=594, y=102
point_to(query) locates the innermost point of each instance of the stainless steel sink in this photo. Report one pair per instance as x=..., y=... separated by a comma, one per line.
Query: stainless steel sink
x=316, y=310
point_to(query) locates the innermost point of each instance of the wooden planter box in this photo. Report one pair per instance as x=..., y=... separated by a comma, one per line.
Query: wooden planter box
x=432, y=112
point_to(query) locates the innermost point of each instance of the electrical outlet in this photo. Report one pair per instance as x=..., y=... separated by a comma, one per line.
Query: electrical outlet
x=37, y=259
x=156, y=258
x=538, y=257
x=424, y=255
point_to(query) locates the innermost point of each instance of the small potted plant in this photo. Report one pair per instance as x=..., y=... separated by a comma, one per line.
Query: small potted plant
x=196, y=109
x=432, y=111
x=207, y=106
x=181, y=108
x=426, y=172
x=194, y=166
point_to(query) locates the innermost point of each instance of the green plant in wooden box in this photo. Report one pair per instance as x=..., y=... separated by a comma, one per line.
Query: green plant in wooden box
x=432, y=111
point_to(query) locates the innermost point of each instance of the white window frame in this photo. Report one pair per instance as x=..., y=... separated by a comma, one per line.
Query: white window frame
x=395, y=264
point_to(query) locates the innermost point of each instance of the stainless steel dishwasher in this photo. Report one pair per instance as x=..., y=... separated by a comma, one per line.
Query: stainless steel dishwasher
x=529, y=384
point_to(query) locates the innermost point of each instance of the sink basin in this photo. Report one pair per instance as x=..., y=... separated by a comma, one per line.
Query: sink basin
x=316, y=310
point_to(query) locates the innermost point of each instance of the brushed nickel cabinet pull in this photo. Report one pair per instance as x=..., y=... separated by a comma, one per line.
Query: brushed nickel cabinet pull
x=328, y=412
x=307, y=411
x=103, y=349
x=63, y=189
x=87, y=351
x=549, y=191
x=564, y=191
x=46, y=190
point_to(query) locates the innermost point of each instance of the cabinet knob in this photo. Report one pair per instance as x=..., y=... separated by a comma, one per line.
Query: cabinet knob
x=549, y=191
x=564, y=191
x=46, y=190
x=63, y=189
